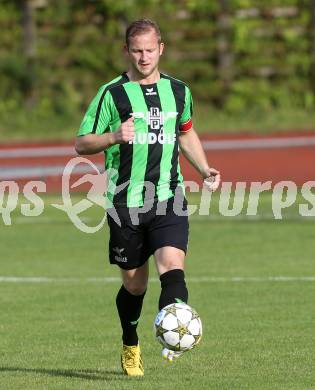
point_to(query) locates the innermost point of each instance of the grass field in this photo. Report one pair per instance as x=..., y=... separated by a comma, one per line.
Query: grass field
x=62, y=332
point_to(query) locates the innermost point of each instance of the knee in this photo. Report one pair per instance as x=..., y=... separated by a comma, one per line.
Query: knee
x=171, y=266
x=135, y=287
x=135, y=281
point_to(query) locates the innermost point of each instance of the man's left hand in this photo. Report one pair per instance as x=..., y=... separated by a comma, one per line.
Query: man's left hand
x=212, y=179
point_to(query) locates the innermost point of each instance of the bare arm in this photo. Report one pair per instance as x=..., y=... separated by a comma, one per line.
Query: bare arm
x=95, y=143
x=192, y=149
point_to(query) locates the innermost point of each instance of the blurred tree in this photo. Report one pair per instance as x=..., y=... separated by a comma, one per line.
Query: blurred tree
x=29, y=48
x=312, y=25
x=225, y=51
x=236, y=54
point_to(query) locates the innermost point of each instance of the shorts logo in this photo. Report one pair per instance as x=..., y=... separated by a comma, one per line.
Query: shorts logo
x=119, y=257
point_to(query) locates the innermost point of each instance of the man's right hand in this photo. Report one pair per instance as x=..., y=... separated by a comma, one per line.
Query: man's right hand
x=95, y=143
x=125, y=132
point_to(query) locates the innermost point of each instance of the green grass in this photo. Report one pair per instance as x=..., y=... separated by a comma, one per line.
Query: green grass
x=29, y=126
x=65, y=334
x=253, y=121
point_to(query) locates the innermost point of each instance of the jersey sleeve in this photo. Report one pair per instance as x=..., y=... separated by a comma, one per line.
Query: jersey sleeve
x=98, y=115
x=185, y=123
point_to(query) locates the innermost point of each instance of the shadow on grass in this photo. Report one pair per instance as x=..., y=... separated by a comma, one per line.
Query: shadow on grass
x=89, y=374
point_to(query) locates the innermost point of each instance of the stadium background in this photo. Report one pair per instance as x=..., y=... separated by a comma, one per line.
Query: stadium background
x=251, y=67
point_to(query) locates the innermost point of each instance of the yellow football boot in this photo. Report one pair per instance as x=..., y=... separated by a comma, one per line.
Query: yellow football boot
x=131, y=361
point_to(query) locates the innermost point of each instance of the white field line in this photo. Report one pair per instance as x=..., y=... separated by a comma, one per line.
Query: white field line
x=47, y=220
x=257, y=143
x=202, y=279
x=194, y=218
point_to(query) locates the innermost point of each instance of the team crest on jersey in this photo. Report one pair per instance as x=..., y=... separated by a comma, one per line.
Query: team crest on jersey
x=155, y=119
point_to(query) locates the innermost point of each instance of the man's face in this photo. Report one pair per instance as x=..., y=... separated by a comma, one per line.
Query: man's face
x=144, y=52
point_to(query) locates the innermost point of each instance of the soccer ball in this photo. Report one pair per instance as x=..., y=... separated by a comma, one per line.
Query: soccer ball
x=178, y=327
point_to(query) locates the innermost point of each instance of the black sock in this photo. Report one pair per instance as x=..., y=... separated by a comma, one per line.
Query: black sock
x=129, y=309
x=173, y=288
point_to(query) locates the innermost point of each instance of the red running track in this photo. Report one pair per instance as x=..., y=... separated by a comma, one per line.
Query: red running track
x=247, y=158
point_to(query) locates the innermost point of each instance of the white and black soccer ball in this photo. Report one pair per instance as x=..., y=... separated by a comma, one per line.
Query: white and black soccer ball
x=178, y=327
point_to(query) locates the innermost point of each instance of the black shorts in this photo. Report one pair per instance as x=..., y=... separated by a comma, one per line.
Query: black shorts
x=139, y=235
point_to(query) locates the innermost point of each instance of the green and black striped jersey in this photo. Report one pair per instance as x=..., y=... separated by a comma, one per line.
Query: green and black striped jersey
x=161, y=112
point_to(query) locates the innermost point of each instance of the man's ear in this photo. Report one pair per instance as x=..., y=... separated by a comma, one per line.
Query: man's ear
x=161, y=48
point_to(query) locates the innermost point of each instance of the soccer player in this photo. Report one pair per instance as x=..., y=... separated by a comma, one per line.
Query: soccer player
x=141, y=119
